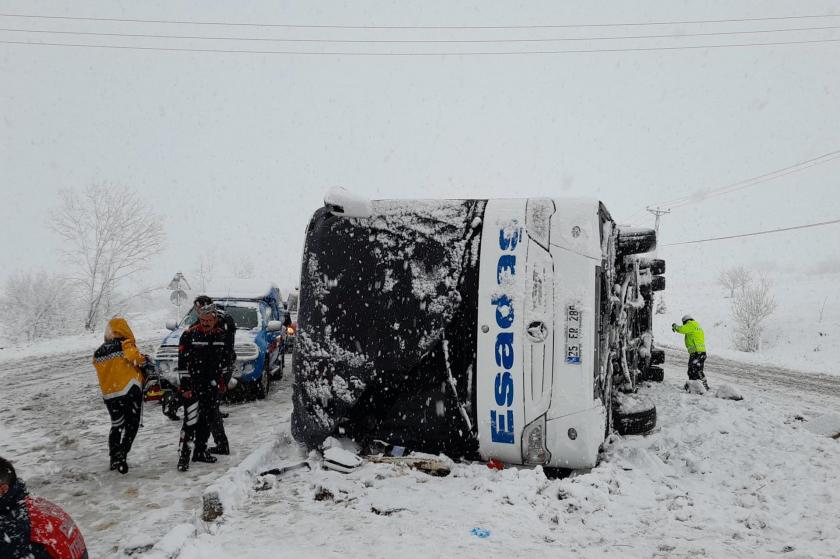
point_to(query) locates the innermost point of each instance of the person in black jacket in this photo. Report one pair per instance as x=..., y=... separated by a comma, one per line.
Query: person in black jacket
x=217, y=426
x=32, y=527
x=202, y=360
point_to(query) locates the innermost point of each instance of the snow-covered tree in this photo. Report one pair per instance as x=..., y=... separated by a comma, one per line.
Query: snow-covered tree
x=752, y=305
x=243, y=268
x=205, y=270
x=734, y=279
x=36, y=305
x=110, y=234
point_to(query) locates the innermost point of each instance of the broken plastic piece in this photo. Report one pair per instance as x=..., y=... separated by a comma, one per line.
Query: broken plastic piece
x=341, y=460
x=494, y=464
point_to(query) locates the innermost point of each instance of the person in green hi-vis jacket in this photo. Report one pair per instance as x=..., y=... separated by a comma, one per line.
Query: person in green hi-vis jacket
x=695, y=343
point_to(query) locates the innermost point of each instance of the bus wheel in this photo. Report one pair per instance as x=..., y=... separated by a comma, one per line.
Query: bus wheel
x=634, y=414
x=654, y=374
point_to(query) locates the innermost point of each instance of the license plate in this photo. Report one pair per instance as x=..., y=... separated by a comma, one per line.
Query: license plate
x=573, y=334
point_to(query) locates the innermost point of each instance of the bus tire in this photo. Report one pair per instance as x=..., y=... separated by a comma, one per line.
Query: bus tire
x=657, y=356
x=654, y=374
x=636, y=423
x=635, y=241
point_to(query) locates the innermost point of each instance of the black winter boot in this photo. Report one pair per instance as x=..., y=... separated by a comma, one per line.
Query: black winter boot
x=220, y=449
x=184, y=458
x=203, y=456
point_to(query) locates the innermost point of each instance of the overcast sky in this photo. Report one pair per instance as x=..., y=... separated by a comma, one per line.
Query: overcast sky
x=237, y=150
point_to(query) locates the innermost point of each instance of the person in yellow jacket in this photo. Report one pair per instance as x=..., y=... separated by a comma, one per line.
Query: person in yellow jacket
x=695, y=343
x=119, y=366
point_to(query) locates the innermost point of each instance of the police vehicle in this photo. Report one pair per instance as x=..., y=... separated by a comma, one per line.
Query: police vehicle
x=258, y=312
x=509, y=329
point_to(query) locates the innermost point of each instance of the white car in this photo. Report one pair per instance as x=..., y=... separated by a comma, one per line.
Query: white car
x=516, y=330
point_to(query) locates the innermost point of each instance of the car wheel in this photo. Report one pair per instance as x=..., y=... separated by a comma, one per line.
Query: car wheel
x=265, y=381
x=557, y=473
x=278, y=372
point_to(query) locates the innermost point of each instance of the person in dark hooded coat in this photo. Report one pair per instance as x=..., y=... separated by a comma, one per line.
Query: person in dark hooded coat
x=32, y=527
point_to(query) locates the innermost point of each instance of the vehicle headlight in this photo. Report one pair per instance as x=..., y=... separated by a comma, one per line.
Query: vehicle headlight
x=246, y=351
x=247, y=368
x=533, y=443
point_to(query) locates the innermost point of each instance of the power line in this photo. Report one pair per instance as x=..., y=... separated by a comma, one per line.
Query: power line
x=465, y=53
x=419, y=41
x=753, y=181
x=754, y=234
x=302, y=26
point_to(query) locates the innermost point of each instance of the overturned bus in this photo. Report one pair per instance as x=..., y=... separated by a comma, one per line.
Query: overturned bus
x=508, y=329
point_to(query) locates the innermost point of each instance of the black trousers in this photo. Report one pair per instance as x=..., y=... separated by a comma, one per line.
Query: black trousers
x=125, y=412
x=695, y=366
x=217, y=424
x=201, y=415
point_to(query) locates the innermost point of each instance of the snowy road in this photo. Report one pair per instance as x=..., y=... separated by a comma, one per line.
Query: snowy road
x=819, y=390
x=54, y=427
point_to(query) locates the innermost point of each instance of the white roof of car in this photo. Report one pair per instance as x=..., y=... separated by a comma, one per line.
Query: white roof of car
x=241, y=289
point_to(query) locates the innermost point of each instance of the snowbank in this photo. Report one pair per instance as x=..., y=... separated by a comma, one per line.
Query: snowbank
x=146, y=326
x=227, y=494
x=233, y=488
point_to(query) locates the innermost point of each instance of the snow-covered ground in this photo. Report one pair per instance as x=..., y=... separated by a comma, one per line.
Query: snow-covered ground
x=717, y=478
x=54, y=428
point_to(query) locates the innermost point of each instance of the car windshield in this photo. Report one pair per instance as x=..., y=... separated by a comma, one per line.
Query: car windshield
x=244, y=315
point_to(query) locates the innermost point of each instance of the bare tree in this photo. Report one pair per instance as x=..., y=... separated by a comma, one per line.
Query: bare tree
x=205, y=270
x=752, y=305
x=36, y=305
x=734, y=278
x=243, y=268
x=661, y=306
x=110, y=233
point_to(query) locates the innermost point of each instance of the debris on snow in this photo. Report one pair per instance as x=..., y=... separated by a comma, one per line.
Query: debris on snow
x=432, y=465
x=728, y=392
x=340, y=460
x=695, y=387
x=827, y=425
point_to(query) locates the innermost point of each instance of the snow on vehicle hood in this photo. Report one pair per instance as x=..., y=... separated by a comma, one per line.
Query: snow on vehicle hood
x=242, y=336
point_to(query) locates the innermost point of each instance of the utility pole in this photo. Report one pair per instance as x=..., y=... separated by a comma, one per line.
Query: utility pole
x=659, y=306
x=658, y=212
